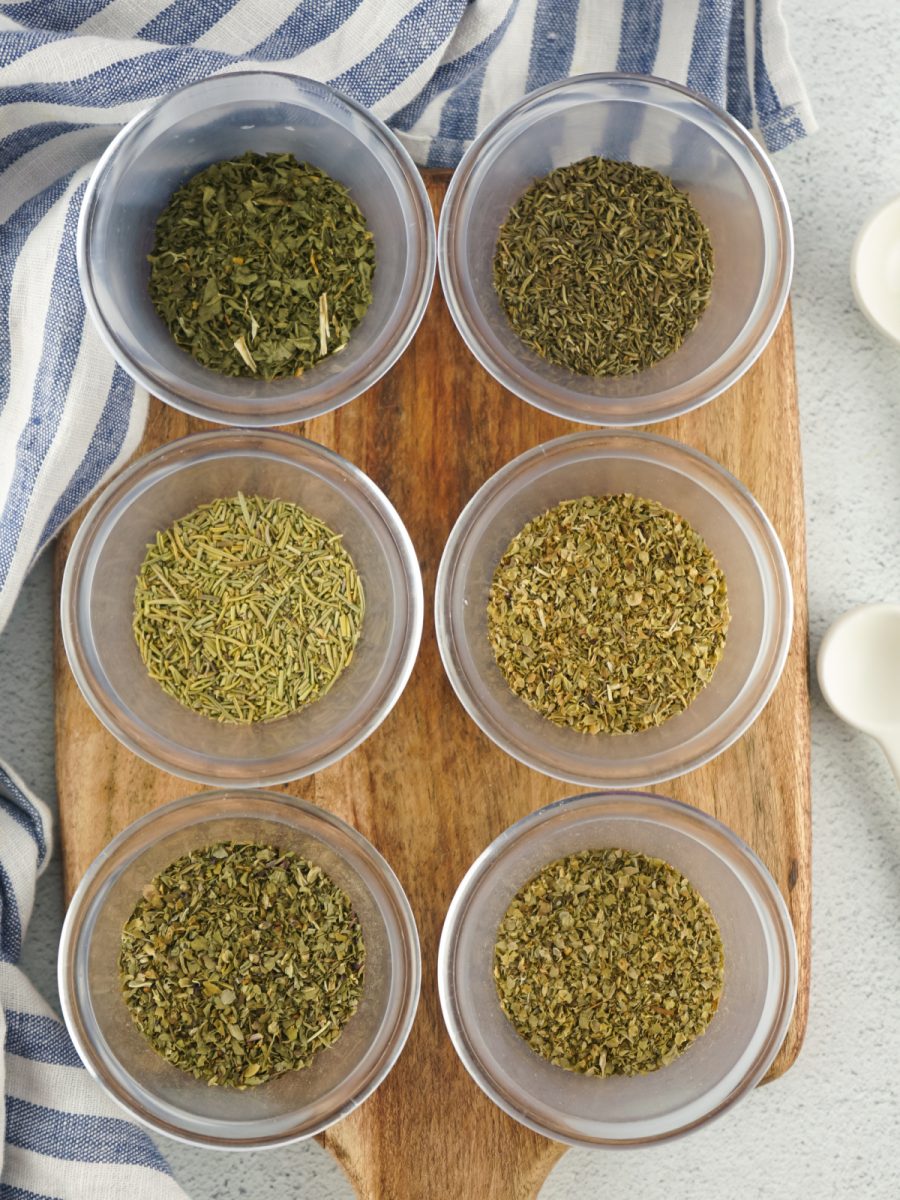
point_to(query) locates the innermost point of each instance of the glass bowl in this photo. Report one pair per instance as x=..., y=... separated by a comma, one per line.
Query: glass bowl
x=97, y=605
x=204, y=123
x=655, y=124
x=719, y=508
x=299, y=1103
x=719, y=1068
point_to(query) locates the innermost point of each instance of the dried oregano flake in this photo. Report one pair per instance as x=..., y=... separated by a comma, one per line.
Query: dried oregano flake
x=261, y=265
x=609, y=963
x=603, y=267
x=608, y=614
x=241, y=962
x=247, y=609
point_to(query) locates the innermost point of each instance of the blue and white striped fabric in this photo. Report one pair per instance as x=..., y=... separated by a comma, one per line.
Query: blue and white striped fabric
x=72, y=71
x=60, y=1138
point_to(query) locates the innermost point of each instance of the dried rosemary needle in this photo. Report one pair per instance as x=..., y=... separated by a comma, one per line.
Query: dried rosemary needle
x=609, y=963
x=241, y=962
x=247, y=609
x=608, y=614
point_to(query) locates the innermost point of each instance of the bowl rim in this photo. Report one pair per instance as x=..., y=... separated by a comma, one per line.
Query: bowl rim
x=500, y=367
x=445, y=626
x=122, y=486
x=72, y=932
x=480, y=870
x=243, y=414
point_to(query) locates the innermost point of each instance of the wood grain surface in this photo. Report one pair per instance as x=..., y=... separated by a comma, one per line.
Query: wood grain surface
x=428, y=789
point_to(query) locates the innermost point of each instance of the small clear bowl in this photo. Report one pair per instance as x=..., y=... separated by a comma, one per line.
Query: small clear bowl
x=169, y=1100
x=97, y=606
x=719, y=508
x=656, y=124
x=215, y=119
x=719, y=1068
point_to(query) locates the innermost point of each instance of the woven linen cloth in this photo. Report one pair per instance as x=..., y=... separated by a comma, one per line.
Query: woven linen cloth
x=60, y=1137
x=73, y=71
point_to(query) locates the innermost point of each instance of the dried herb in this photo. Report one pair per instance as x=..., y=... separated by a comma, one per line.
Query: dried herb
x=603, y=267
x=241, y=962
x=609, y=963
x=247, y=609
x=608, y=614
x=261, y=266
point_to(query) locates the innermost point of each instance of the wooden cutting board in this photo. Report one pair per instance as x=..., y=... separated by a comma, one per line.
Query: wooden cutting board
x=428, y=789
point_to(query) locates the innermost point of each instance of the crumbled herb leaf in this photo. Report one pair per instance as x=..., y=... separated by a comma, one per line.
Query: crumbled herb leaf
x=262, y=265
x=609, y=963
x=247, y=609
x=241, y=962
x=608, y=614
x=603, y=267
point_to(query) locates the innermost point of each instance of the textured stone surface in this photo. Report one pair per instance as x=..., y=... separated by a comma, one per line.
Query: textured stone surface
x=822, y=1130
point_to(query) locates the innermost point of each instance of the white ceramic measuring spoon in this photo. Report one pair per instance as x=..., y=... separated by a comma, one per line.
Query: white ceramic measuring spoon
x=859, y=674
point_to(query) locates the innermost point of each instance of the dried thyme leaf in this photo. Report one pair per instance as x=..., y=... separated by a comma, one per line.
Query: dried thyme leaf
x=261, y=265
x=608, y=614
x=241, y=962
x=609, y=963
x=603, y=267
x=247, y=609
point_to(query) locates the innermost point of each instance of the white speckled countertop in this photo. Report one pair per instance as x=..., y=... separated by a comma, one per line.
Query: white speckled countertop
x=826, y=1129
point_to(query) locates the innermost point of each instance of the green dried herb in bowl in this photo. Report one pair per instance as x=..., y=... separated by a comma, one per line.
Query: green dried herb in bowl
x=247, y=609
x=603, y=267
x=608, y=614
x=261, y=265
x=241, y=962
x=609, y=963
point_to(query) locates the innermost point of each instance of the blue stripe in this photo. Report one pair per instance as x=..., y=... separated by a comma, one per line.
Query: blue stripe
x=184, y=21
x=12, y=793
x=40, y=1039
x=130, y=79
x=706, y=73
x=60, y=15
x=10, y=920
x=415, y=37
x=459, y=118
x=15, y=813
x=73, y=1137
x=639, y=40
x=305, y=27
x=16, y=231
x=62, y=340
x=552, y=42
x=29, y=137
x=738, y=98
x=101, y=454
x=448, y=75
x=14, y=45
x=780, y=126
x=8, y=1192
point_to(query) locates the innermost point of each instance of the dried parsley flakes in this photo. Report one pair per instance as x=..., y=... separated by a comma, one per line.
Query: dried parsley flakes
x=262, y=265
x=608, y=614
x=609, y=963
x=603, y=267
x=241, y=962
x=247, y=609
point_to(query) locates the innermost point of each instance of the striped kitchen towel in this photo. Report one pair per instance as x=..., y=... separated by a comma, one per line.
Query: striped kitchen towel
x=60, y=1137
x=72, y=71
